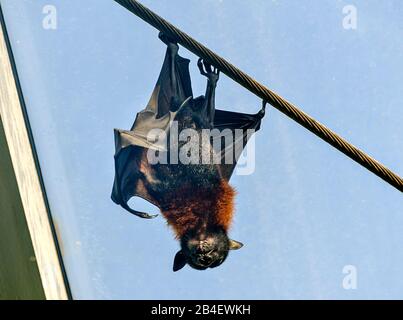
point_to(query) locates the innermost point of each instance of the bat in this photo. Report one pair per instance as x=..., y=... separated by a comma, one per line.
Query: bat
x=193, y=195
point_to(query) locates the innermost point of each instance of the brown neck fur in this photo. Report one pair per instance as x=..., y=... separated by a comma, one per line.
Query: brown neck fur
x=193, y=208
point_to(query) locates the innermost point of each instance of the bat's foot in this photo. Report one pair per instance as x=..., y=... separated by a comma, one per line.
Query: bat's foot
x=262, y=111
x=207, y=70
x=171, y=44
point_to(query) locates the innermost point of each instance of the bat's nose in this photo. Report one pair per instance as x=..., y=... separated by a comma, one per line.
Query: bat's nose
x=203, y=247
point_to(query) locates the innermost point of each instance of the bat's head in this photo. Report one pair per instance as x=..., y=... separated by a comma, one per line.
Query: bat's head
x=204, y=250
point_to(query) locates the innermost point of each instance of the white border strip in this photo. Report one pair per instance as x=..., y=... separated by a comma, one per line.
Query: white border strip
x=29, y=185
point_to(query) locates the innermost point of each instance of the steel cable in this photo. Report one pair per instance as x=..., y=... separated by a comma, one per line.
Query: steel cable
x=263, y=92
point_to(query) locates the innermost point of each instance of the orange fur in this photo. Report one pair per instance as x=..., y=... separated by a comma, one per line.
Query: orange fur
x=195, y=208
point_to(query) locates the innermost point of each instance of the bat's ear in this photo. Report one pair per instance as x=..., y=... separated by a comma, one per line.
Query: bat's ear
x=179, y=261
x=235, y=245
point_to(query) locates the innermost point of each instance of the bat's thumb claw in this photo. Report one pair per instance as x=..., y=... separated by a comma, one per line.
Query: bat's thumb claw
x=145, y=215
x=150, y=216
x=139, y=213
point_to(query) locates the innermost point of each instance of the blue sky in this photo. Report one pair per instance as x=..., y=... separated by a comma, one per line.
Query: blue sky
x=306, y=212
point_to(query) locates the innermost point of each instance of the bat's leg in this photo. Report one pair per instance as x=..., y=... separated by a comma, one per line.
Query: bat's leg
x=172, y=50
x=262, y=111
x=212, y=74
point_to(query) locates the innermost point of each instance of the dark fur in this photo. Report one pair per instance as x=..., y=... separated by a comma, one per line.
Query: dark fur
x=197, y=203
x=194, y=198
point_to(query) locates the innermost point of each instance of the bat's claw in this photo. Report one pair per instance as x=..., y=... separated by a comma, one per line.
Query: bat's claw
x=262, y=111
x=139, y=213
x=146, y=215
x=201, y=68
x=207, y=70
x=171, y=44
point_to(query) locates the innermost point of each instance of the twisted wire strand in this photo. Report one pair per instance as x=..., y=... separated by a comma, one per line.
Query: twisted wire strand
x=264, y=93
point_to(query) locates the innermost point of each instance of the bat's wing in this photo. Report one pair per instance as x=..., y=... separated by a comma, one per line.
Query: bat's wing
x=172, y=90
x=224, y=120
x=128, y=178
